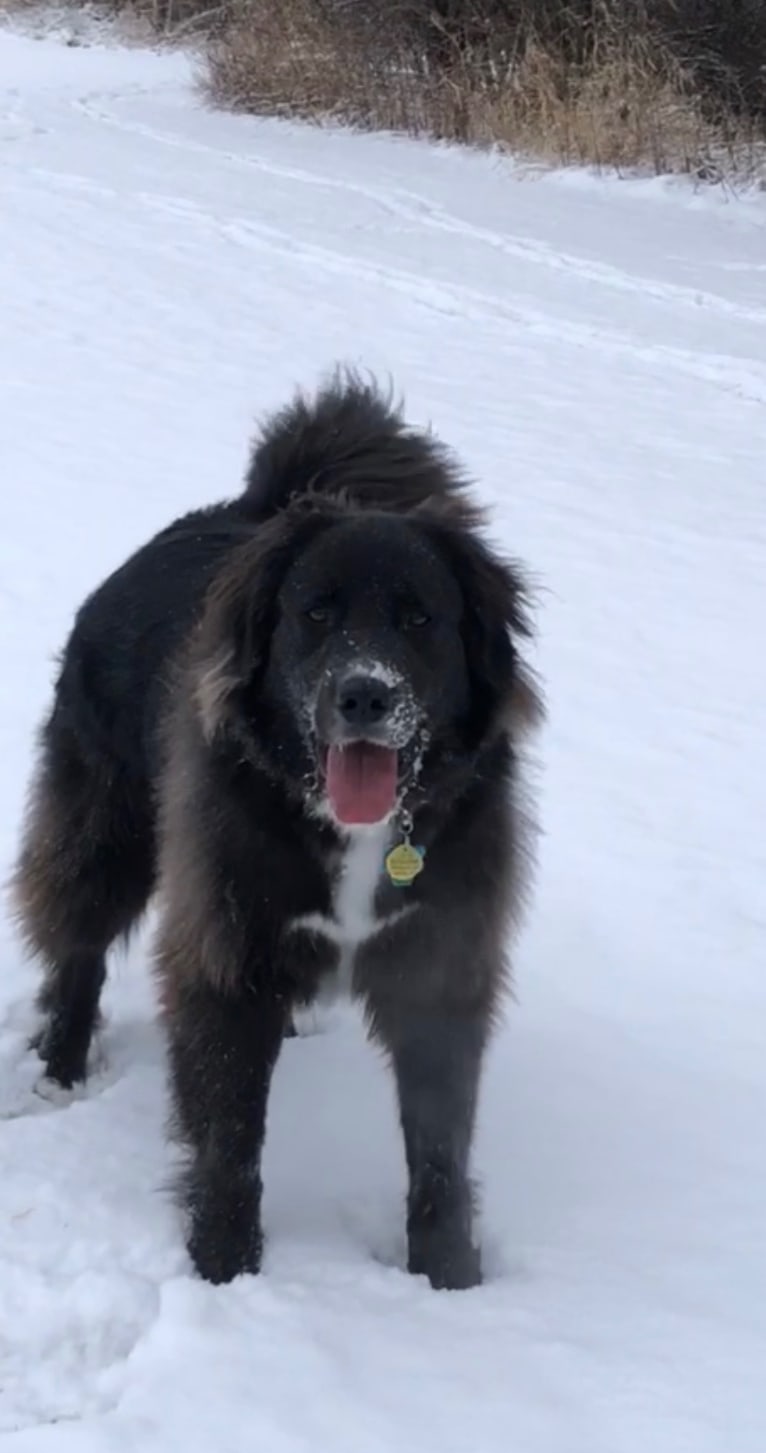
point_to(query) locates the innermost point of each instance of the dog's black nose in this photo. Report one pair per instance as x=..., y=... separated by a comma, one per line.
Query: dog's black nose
x=364, y=701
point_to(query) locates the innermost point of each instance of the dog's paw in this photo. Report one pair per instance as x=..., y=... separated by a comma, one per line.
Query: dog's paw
x=451, y=1263
x=24, y=1090
x=225, y=1239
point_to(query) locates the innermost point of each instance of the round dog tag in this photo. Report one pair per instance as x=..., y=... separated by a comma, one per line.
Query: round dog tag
x=403, y=864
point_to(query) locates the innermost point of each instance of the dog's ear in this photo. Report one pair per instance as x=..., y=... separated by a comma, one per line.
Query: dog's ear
x=497, y=618
x=231, y=646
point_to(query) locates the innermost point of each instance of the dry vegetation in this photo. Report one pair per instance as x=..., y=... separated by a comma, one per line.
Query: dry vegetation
x=665, y=85
x=649, y=85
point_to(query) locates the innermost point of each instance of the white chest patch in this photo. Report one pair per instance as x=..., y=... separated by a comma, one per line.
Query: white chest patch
x=353, y=918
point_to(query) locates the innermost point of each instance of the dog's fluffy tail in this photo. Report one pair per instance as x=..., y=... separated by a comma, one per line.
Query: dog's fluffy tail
x=350, y=442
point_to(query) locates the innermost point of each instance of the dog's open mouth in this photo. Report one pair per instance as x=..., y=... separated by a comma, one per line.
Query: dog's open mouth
x=361, y=780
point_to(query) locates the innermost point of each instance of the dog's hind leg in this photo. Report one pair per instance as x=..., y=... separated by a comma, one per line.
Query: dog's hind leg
x=84, y=874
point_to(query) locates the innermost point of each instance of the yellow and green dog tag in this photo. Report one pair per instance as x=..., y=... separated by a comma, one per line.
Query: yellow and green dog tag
x=403, y=864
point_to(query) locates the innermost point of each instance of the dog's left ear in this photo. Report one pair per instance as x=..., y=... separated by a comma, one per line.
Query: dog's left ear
x=497, y=619
x=232, y=642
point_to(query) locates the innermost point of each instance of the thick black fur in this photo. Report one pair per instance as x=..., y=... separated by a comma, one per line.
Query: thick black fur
x=184, y=752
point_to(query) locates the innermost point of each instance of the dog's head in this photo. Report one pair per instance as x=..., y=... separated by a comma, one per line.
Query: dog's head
x=354, y=652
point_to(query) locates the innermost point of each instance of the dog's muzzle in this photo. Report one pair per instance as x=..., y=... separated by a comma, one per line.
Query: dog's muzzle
x=363, y=721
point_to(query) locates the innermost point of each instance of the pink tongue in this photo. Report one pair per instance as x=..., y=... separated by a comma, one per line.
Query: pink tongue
x=361, y=781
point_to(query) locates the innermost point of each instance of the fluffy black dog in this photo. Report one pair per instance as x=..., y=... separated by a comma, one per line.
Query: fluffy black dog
x=297, y=715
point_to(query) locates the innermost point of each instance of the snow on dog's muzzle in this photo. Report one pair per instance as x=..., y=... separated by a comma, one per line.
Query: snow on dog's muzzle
x=364, y=720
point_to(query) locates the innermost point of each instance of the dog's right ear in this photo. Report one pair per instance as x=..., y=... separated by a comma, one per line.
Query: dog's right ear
x=231, y=645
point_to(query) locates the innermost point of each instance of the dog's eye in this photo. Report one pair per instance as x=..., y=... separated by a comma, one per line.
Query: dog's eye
x=417, y=618
x=318, y=613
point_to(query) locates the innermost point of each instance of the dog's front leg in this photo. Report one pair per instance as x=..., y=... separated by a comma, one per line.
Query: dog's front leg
x=436, y=1048
x=223, y=1048
x=436, y=1060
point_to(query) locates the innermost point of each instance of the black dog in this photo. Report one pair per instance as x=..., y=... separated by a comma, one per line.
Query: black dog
x=297, y=714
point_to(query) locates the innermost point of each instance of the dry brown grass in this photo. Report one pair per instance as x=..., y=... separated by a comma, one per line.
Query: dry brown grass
x=631, y=105
x=633, y=108
x=292, y=60
x=566, y=82
x=283, y=60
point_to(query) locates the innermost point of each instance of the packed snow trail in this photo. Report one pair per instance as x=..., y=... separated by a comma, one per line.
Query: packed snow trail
x=597, y=353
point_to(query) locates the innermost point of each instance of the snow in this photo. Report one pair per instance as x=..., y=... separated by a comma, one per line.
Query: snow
x=596, y=351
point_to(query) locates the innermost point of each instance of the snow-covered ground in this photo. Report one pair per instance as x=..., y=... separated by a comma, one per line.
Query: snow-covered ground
x=597, y=353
